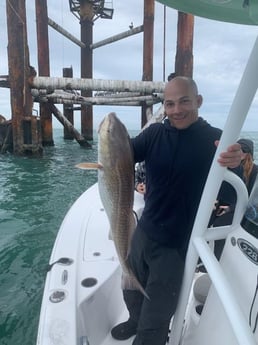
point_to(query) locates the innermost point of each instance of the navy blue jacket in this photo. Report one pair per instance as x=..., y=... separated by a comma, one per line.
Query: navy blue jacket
x=177, y=166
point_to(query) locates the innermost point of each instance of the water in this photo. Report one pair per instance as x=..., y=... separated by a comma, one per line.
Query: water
x=35, y=194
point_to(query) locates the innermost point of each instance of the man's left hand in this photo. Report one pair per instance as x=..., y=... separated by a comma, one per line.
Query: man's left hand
x=232, y=157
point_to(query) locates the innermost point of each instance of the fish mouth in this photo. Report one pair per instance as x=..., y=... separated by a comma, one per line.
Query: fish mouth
x=107, y=123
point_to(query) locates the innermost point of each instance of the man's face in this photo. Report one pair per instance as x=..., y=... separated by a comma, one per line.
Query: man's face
x=181, y=103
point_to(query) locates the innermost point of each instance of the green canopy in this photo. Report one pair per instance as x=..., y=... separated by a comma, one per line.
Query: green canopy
x=232, y=11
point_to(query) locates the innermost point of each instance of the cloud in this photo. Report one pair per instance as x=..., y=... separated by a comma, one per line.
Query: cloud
x=221, y=51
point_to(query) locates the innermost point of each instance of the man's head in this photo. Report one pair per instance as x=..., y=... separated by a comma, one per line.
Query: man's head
x=181, y=102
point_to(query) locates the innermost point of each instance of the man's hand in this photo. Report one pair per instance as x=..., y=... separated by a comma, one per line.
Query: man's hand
x=232, y=157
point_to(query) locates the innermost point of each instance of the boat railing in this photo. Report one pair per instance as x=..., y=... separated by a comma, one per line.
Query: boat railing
x=198, y=243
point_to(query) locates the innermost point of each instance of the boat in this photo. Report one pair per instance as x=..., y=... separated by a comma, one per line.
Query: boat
x=84, y=276
x=82, y=298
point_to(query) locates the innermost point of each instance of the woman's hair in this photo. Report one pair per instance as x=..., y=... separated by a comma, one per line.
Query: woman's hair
x=247, y=166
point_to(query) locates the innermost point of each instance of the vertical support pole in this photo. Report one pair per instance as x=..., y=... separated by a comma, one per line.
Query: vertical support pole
x=68, y=108
x=184, y=54
x=44, y=68
x=86, y=16
x=19, y=70
x=148, y=34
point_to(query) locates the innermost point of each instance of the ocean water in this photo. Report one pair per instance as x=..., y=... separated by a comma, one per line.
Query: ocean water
x=35, y=194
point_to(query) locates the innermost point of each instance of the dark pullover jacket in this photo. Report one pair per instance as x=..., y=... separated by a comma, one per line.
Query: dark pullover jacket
x=177, y=166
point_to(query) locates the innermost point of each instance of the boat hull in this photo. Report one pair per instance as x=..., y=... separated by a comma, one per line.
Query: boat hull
x=83, y=300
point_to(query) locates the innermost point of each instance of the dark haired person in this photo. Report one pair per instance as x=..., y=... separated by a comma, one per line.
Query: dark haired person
x=250, y=169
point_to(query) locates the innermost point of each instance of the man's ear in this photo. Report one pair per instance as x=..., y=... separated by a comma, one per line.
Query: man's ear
x=199, y=100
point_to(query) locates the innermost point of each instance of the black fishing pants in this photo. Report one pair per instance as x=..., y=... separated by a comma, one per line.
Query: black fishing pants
x=159, y=269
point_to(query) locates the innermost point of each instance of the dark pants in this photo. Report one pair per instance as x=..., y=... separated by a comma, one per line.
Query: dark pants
x=159, y=269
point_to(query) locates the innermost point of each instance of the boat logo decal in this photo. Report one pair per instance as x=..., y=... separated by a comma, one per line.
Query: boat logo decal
x=249, y=250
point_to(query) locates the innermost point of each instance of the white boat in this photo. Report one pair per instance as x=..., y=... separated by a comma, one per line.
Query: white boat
x=82, y=298
x=84, y=277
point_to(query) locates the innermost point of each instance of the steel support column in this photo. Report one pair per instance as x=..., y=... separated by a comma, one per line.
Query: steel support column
x=20, y=73
x=148, y=34
x=68, y=108
x=86, y=16
x=184, y=54
x=43, y=67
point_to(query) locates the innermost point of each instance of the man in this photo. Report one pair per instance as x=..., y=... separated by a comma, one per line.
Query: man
x=178, y=155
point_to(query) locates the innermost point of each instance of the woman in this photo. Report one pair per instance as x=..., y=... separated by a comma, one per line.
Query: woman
x=250, y=169
x=223, y=215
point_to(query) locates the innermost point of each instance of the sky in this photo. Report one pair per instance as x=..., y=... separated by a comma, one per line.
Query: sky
x=221, y=52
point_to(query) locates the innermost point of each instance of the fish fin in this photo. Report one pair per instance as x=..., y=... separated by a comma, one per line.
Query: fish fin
x=130, y=282
x=89, y=166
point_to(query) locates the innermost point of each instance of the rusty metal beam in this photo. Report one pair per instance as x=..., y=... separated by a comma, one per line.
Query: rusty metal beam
x=4, y=81
x=19, y=70
x=53, y=83
x=117, y=37
x=148, y=37
x=44, y=67
x=68, y=125
x=184, y=54
x=65, y=33
x=68, y=108
x=86, y=15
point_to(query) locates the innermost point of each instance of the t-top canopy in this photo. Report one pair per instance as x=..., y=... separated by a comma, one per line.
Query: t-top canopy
x=232, y=11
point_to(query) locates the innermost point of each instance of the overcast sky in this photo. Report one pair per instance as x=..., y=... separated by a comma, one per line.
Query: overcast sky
x=221, y=51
